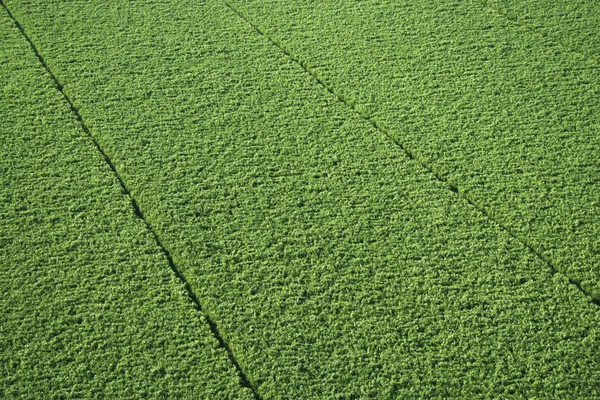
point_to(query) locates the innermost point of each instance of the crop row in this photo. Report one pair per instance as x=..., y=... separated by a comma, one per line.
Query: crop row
x=508, y=116
x=89, y=306
x=333, y=265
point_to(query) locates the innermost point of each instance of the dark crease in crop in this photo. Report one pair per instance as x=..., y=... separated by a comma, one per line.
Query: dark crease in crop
x=453, y=187
x=244, y=381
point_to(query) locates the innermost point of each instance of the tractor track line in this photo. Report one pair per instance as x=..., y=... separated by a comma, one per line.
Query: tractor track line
x=453, y=187
x=244, y=381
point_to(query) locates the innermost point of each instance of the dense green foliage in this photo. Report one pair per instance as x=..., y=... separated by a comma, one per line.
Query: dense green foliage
x=509, y=117
x=574, y=23
x=89, y=307
x=333, y=265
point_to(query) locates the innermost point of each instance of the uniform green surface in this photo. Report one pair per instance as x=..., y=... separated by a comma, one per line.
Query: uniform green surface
x=333, y=265
x=509, y=117
x=89, y=307
x=574, y=23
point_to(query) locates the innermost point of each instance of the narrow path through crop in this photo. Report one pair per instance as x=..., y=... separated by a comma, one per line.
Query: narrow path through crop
x=454, y=188
x=244, y=381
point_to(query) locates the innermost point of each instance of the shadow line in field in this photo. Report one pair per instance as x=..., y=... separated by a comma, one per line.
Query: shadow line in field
x=452, y=186
x=244, y=381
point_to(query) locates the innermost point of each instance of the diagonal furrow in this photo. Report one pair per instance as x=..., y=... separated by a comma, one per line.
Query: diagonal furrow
x=411, y=154
x=244, y=381
x=334, y=266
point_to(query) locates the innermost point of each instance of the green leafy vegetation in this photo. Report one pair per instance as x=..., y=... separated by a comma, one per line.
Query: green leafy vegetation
x=508, y=117
x=334, y=265
x=89, y=307
x=574, y=23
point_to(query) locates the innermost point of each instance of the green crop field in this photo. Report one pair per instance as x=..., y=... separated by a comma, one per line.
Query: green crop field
x=271, y=199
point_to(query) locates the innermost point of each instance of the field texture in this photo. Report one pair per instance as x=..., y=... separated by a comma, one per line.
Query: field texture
x=89, y=305
x=573, y=23
x=509, y=117
x=368, y=199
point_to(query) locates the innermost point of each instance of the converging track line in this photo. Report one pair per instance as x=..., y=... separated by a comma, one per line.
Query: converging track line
x=452, y=187
x=244, y=381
